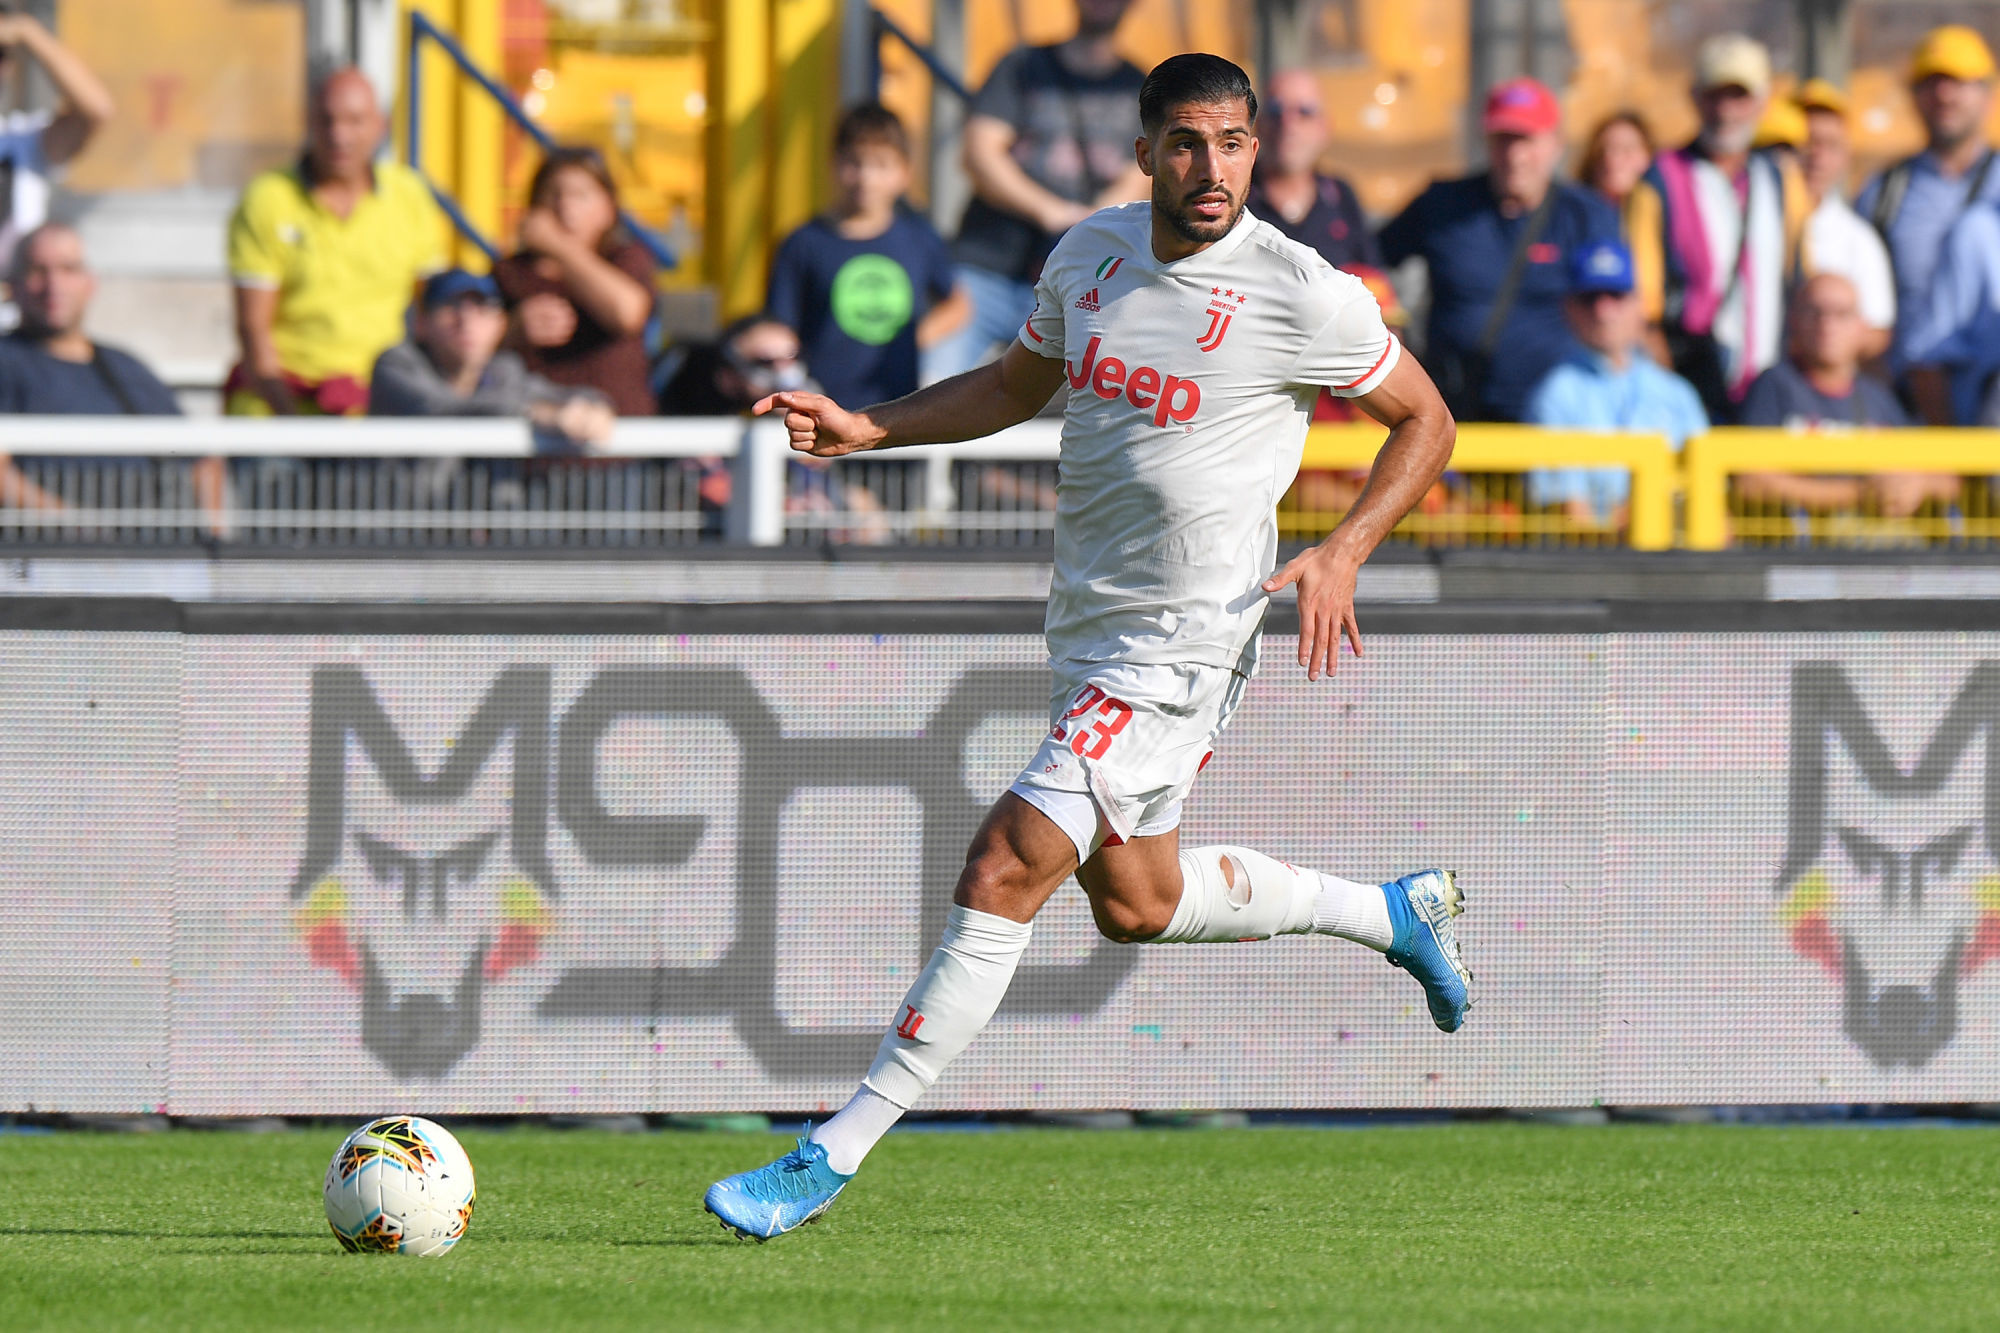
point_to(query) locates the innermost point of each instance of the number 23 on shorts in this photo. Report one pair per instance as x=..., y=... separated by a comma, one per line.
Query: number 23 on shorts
x=1092, y=737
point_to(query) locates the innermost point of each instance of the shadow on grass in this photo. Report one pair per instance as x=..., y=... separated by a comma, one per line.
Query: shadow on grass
x=157, y=1235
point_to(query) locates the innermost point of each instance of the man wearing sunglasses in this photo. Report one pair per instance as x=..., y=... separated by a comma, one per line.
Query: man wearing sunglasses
x=1290, y=192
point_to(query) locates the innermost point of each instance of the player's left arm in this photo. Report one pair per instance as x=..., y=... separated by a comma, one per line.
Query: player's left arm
x=1421, y=434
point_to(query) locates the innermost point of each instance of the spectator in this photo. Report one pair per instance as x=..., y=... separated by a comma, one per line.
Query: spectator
x=1837, y=239
x=757, y=356
x=452, y=365
x=1495, y=245
x=1608, y=383
x=1820, y=387
x=580, y=288
x=1620, y=150
x=1915, y=203
x=1715, y=229
x=325, y=256
x=1048, y=141
x=32, y=143
x=1952, y=338
x=49, y=365
x=1288, y=190
x=868, y=284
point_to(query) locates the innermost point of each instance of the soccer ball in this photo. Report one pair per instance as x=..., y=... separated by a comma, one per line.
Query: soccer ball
x=399, y=1185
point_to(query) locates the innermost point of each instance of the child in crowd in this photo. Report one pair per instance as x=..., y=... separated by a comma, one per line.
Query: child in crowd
x=870, y=282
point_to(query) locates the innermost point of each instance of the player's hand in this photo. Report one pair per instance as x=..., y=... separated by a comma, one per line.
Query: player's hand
x=819, y=426
x=1326, y=606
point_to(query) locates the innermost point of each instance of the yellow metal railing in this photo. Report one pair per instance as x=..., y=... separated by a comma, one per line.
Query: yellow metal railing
x=1956, y=504
x=1485, y=502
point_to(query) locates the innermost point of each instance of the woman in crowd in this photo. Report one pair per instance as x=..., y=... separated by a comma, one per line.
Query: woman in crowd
x=580, y=288
x=1619, y=151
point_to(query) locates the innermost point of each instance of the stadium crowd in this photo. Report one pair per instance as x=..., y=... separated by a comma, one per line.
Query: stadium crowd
x=1663, y=288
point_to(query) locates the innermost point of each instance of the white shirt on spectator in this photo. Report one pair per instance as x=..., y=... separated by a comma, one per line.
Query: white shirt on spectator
x=21, y=144
x=1839, y=240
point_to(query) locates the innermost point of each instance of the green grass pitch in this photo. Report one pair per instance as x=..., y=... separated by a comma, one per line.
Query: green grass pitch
x=1464, y=1226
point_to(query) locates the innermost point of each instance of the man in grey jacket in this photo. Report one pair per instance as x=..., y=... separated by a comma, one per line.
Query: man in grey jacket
x=452, y=366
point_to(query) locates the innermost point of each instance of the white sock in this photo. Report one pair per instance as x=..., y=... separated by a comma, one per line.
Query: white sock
x=1353, y=911
x=856, y=1128
x=949, y=1003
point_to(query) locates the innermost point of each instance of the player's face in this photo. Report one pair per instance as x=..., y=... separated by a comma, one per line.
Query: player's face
x=1200, y=163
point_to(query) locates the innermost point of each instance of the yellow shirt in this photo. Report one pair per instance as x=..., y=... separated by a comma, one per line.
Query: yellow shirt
x=342, y=283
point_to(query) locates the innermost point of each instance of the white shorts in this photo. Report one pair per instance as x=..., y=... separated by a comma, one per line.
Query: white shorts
x=1125, y=743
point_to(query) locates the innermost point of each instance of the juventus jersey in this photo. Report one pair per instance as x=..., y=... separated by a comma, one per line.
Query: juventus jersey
x=1191, y=386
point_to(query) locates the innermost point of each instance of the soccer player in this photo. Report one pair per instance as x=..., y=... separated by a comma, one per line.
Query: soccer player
x=1195, y=339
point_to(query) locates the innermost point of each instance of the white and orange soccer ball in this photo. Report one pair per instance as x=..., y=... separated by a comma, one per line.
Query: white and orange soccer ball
x=399, y=1185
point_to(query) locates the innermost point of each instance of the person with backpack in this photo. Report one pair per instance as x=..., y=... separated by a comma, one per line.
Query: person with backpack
x=1918, y=203
x=1715, y=229
x=1497, y=247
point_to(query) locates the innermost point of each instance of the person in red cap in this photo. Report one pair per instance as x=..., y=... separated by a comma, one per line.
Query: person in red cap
x=1496, y=246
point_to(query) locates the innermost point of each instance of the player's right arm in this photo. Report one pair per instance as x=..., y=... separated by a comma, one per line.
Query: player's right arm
x=983, y=400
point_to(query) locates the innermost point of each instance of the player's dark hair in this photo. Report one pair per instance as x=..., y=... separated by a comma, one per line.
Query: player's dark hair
x=870, y=124
x=1194, y=77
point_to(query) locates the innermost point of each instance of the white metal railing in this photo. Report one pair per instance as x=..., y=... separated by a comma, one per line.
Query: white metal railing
x=84, y=463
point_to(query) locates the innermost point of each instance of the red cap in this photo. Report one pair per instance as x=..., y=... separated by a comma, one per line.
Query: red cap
x=1522, y=106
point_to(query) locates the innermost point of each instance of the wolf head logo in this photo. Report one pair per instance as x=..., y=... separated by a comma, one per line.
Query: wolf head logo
x=420, y=889
x=1891, y=879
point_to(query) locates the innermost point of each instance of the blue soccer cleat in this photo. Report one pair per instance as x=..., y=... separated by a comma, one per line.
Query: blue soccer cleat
x=781, y=1197
x=1421, y=906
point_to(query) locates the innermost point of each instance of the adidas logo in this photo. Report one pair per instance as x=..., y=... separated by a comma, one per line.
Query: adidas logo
x=1088, y=301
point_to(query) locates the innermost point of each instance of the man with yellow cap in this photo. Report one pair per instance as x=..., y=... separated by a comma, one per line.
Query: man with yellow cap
x=1915, y=203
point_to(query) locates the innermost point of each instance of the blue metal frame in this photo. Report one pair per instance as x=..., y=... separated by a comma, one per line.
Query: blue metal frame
x=888, y=27
x=422, y=27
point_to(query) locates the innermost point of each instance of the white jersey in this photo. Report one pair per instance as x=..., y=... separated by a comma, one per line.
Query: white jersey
x=1192, y=384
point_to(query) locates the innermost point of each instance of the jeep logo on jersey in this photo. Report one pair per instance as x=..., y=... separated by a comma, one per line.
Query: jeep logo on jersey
x=1170, y=397
x=430, y=885
x=1891, y=878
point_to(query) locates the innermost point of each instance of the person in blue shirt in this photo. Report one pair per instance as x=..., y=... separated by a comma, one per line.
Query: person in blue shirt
x=1467, y=232
x=868, y=284
x=1952, y=335
x=1916, y=203
x=1607, y=383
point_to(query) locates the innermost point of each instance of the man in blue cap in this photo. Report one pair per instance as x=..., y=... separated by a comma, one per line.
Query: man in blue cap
x=452, y=366
x=1607, y=383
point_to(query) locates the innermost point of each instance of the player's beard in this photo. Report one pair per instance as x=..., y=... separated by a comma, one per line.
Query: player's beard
x=1185, y=223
